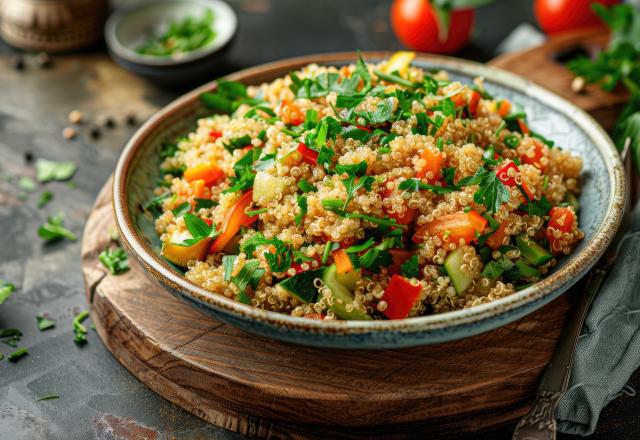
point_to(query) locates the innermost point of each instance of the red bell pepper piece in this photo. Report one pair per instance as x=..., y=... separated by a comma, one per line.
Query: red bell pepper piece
x=509, y=174
x=562, y=219
x=473, y=103
x=308, y=155
x=536, y=154
x=400, y=296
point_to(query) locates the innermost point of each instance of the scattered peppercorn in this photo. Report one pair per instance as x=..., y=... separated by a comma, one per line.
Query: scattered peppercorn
x=69, y=133
x=18, y=62
x=94, y=132
x=578, y=84
x=131, y=119
x=109, y=122
x=28, y=157
x=75, y=117
x=42, y=60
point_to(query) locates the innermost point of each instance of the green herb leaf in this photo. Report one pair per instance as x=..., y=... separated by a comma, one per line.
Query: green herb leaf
x=302, y=205
x=27, y=184
x=494, y=268
x=54, y=230
x=306, y=187
x=6, y=290
x=48, y=397
x=79, y=330
x=44, y=323
x=181, y=209
x=199, y=230
x=227, y=262
x=249, y=274
x=204, y=204
x=410, y=268
x=419, y=185
x=16, y=355
x=114, y=259
x=47, y=170
x=237, y=143
x=45, y=198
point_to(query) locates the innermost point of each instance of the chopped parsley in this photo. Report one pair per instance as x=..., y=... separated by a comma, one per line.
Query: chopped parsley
x=114, y=259
x=27, y=184
x=249, y=275
x=410, y=268
x=228, y=96
x=419, y=185
x=306, y=187
x=54, y=230
x=48, y=397
x=302, y=205
x=204, y=204
x=237, y=143
x=47, y=170
x=18, y=354
x=44, y=323
x=181, y=209
x=79, y=330
x=199, y=230
x=6, y=290
x=44, y=199
x=494, y=268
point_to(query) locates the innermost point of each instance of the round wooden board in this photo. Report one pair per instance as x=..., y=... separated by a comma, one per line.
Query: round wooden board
x=268, y=389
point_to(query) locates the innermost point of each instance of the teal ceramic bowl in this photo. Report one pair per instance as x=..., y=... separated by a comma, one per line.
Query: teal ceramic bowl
x=602, y=200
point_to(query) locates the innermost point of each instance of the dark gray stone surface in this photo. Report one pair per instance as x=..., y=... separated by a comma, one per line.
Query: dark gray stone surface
x=99, y=398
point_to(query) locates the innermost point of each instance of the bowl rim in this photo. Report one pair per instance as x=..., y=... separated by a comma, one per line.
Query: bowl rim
x=121, y=50
x=575, y=267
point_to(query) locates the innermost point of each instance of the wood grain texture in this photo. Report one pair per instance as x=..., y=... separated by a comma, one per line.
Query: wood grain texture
x=540, y=65
x=268, y=389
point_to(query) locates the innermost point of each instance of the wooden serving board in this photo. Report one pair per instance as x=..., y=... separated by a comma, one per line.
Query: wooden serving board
x=268, y=389
x=545, y=65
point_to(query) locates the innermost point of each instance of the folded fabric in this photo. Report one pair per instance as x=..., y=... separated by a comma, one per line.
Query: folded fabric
x=608, y=350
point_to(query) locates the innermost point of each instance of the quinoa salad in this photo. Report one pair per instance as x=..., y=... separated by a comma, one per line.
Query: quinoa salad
x=365, y=192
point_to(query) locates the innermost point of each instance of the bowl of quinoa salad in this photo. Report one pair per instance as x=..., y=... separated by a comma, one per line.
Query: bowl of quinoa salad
x=402, y=200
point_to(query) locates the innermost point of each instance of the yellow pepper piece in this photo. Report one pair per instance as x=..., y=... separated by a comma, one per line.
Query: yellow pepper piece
x=181, y=255
x=400, y=62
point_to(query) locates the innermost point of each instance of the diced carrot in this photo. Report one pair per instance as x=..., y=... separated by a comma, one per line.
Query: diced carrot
x=236, y=218
x=473, y=103
x=398, y=256
x=433, y=159
x=496, y=239
x=290, y=113
x=524, y=128
x=400, y=296
x=342, y=261
x=459, y=100
x=199, y=189
x=504, y=107
x=209, y=172
x=314, y=316
x=453, y=227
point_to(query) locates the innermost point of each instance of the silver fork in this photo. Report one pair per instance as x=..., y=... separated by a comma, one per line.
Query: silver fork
x=540, y=422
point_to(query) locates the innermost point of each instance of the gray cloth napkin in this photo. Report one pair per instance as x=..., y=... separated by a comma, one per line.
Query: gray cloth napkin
x=608, y=350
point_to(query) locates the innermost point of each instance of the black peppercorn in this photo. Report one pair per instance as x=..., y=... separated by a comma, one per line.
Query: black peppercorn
x=18, y=62
x=94, y=132
x=28, y=157
x=131, y=119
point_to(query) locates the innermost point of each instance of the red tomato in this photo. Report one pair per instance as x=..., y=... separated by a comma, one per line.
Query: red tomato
x=561, y=219
x=308, y=155
x=400, y=296
x=510, y=178
x=415, y=24
x=556, y=16
x=452, y=227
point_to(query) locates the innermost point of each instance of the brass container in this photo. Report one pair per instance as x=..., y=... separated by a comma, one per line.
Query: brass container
x=52, y=25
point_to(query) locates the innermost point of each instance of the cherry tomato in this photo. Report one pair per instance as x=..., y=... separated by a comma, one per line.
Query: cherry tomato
x=556, y=16
x=416, y=25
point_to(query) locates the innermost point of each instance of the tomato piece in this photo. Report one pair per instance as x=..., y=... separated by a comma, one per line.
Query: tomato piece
x=308, y=155
x=453, y=227
x=433, y=159
x=524, y=128
x=473, y=103
x=209, y=172
x=362, y=127
x=236, y=218
x=510, y=175
x=215, y=135
x=534, y=155
x=314, y=316
x=398, y=256
x=458, y=100
x=400, y=296
x=561, y=219
x=416, y=25
x=504, y=107
x=404, y=219
x=342, y=261
x=496, y=239
x=557, y=16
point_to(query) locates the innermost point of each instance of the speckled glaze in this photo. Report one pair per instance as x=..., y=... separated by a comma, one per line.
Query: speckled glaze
x=602, y=200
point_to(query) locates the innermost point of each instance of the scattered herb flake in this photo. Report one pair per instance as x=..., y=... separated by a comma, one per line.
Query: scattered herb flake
x=44, y=323
x=48, y=170
x=54, y=230
x=114, y=259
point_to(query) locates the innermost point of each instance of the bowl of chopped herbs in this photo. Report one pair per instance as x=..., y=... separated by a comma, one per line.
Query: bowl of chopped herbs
x=171, y=41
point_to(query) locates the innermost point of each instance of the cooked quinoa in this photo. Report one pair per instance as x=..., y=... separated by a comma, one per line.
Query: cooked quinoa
x=365, y=192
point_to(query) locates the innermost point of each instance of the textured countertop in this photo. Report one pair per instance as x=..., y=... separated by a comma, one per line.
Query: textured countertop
x=98, y=397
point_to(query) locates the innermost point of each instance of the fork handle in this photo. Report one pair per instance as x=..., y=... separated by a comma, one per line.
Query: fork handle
x=540, y=422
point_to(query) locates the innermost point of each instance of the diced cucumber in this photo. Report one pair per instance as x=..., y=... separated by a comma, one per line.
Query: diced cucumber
x=349, y=279
x=302, y=285
x=532, y=251
x=461, y=281
x=520, y=270
x=572, y=200
x=341, y=297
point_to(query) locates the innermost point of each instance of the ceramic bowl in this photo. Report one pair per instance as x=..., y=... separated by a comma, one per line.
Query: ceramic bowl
x=129, y=27
x=602, y=202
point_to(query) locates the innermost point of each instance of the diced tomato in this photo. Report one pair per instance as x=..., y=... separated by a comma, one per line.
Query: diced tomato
x=308, y=155
x=459, y=100
x=504, y=107
x=236, y=218
x=524, y=128
x=314, y=316
x=207, y=221
x=473, y=103
x=209, y=172
x=361, y=127
x=342, y=261
x=398, y=256
x=400, y=296
x=562, y=219
x=213, y=135
x=537, y=153
x=511, y=178
x=496, y=239
x=290, y=113
x=453, y=227
x=433, y=159
x=404, y=219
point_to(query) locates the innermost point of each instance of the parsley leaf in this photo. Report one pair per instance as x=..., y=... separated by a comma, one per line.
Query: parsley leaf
x=356, y=169
x=306, y=187
x=410, y=268
x=537, y=207
x=45, y=198
x=382, y=113
x=237, y=143
x=494, y=268
x=115, y=260
x=250, y=274
x=204, y=204
x=181, y=209
x=228, y=96
x=492, y=193
x=79, y=330
x=54, y=230
x=418, y=185
x=352, y=186
x=302, y=204
x=199, y=230
x=6, y=290
x=44, y=323
x=47, y=170
x=244, y=174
